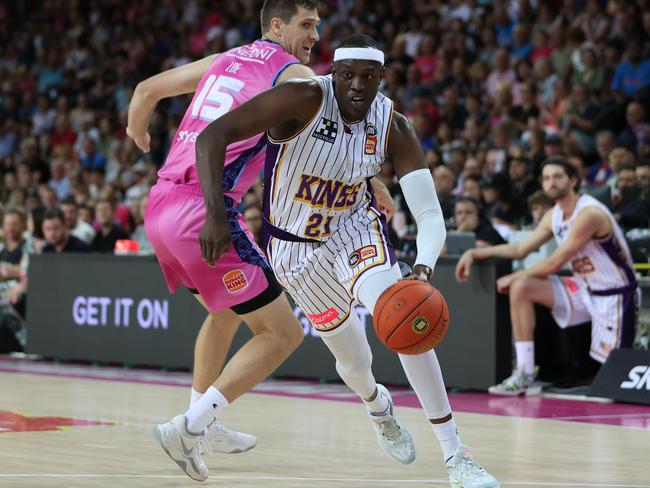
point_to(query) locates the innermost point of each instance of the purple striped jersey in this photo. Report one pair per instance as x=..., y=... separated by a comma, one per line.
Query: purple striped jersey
x=318, y=178
x=603, y=264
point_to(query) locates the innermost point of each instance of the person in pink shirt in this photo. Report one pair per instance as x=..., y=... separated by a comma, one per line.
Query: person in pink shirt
x=241, y=286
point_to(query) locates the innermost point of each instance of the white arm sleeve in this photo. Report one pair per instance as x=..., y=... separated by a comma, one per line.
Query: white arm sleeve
x=422, y=200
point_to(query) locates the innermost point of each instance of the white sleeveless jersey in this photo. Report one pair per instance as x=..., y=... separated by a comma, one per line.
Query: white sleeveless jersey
x=318, y=177
x=603, y=264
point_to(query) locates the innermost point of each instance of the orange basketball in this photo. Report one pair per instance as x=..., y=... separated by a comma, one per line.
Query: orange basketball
x=411, y=317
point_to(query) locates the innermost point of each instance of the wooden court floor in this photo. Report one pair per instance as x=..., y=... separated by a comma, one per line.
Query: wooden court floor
x=301, y=443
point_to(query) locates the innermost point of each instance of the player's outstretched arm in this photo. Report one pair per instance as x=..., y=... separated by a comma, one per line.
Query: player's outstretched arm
x=419, y=191
x=148, y=93
x=284, y=110
x=540, y=235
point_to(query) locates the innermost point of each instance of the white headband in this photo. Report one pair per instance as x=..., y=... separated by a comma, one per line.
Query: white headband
x=362, y=53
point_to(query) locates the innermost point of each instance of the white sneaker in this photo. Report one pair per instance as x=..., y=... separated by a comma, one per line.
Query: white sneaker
x=221, y=439
x=394, y=439
x=518, y=383
x=182, y=446
x=464, y=472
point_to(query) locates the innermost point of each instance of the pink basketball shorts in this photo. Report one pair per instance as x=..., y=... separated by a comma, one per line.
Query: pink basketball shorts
x=241, y=280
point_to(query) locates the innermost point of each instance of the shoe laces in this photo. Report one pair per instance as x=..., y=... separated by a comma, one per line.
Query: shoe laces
x=390, y=430
x=467, y=466
x=204, y=446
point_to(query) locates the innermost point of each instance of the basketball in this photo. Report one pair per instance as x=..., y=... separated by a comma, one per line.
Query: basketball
x=411, y=317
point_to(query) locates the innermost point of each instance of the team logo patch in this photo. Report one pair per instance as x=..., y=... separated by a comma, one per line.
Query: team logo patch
x=235, y=280
x=326, y=130
x=326, y=317
x=420, y=325
x=367, y=252
x=371, y=139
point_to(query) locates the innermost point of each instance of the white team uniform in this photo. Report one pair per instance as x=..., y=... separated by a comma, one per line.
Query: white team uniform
x=603, y=288
x=325, y=231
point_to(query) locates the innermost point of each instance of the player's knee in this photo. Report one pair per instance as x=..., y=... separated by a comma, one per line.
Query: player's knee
x=294, y=337
x=354, y=366
x=521, y=289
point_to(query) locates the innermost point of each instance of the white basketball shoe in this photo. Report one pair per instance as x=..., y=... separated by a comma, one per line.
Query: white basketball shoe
x=464, y=472
x=182, y=446
x=394, y=438
x=518, y=383
x=221, y=439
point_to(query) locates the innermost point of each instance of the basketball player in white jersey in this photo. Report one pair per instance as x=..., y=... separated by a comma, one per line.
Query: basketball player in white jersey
x=328, y=245
x=603, y=288
x=291, y=26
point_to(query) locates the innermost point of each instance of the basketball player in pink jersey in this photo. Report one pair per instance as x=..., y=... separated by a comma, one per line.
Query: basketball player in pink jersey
x=241, y=286
x=603, y=288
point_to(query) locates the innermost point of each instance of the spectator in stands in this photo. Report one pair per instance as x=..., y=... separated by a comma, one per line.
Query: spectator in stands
x=539, y=203
x=631, y=75
x=59, y=182
x=86, y=213
x=77, y=227
x=139, y=235
x=109, y=230
x=472, y=187
x=501, y=75
x=445, y=182
x=14, y=258
x=637, y=126
x=92, y=160
x=468, y=218
x=623, y=199
x=600, y=172
x=57, y=236
x=579, y=120
x=553, y=145
x=523, y=180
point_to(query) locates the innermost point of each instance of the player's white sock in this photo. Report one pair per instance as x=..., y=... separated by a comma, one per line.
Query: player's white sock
x=195, y=396
x=424, y=375
x=448, y=437
x=379, y=405
x=525, y=356
x=204, y=409
x=353, y=360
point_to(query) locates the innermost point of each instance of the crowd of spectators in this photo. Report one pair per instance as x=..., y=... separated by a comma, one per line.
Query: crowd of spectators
x=492, y=89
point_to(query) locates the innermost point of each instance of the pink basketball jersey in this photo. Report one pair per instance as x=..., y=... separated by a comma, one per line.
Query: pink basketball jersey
x=232, y=79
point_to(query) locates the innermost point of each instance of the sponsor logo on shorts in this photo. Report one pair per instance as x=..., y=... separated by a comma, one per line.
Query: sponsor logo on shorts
x=371, y=139
x=326, y=317
x=571, y=285
x=235, y=280
x=367, y=252
x=420, y=325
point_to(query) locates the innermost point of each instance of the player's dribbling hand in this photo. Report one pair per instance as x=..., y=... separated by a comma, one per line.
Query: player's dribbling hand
x=214, y=239
x=421, y=273
x=143, y=141
x=463, y=266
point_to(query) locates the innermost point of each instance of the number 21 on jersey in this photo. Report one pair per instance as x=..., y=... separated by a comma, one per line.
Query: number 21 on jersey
x=215, y=98
x=318, y=225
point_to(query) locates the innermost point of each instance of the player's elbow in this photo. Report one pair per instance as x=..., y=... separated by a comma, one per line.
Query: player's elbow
x=144, y=90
